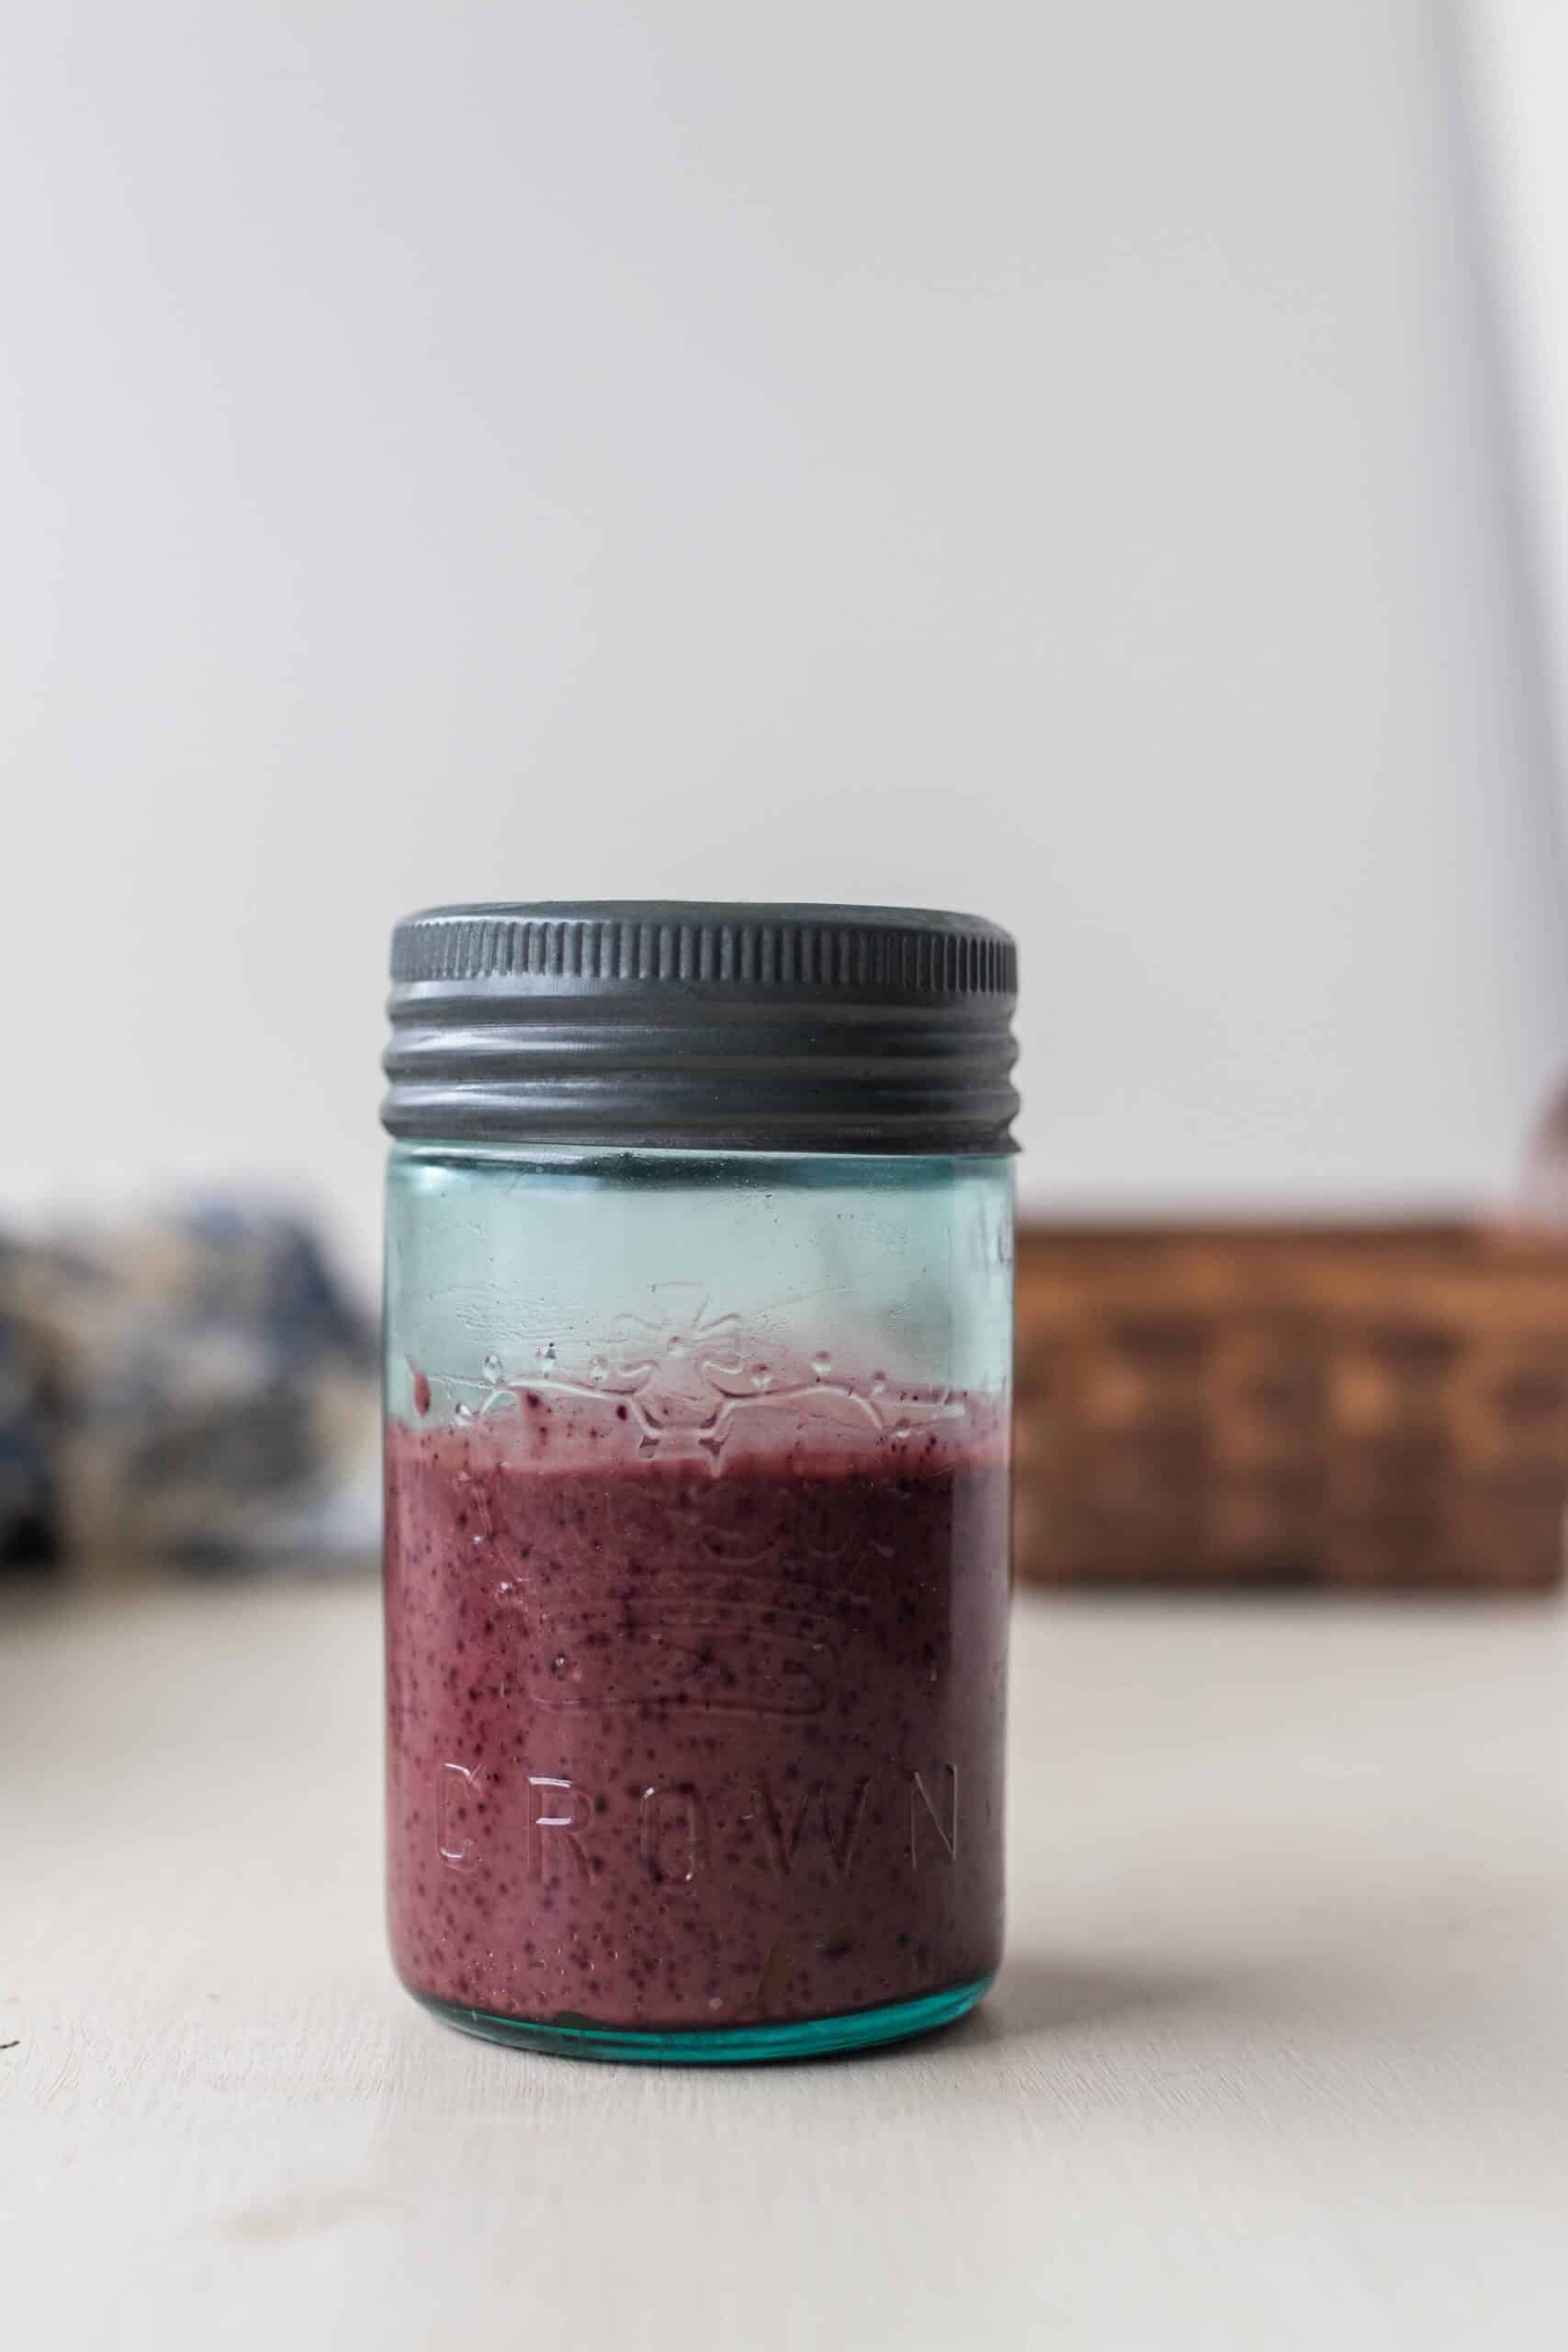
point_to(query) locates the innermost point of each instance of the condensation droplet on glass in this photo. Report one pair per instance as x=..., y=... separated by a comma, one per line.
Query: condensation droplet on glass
x=900, y=1430
x=598, y=1369
x=494, y=1369
x=558, y=1663
x=760, y=1376
x=821, y=1363
x=505, y=1588
x=463, y=1413
x=547, y=1355
x=879, y=1383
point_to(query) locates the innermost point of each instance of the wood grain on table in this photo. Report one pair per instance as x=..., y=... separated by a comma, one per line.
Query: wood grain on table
x=1279, y=2058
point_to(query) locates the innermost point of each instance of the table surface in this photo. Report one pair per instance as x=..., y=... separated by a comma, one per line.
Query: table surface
x=1279, y=2057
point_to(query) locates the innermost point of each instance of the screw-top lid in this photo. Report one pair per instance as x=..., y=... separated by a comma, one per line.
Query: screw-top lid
x=677, y=1024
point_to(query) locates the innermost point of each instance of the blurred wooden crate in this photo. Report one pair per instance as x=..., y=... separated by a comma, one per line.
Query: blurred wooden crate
x=1371, y=1405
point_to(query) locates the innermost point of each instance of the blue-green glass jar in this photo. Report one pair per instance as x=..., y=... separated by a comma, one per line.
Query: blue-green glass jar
x=697, y=1475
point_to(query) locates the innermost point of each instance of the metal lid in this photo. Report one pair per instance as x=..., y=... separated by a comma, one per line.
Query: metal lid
x=681, y=1026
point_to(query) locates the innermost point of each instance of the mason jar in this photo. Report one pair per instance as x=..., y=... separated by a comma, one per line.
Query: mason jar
x=698, y=1339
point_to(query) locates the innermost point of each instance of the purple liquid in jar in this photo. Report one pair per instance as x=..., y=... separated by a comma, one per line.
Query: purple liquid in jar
x=677, y=1745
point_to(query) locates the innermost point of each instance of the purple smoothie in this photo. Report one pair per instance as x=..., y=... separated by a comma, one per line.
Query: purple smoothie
x=672, y=1747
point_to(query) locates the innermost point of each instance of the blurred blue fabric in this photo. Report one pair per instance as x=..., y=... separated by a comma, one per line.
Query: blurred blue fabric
x=199, y=1388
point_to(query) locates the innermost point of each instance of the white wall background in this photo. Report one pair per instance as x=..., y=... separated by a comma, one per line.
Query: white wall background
x=1515, y=57
x=1034, y=457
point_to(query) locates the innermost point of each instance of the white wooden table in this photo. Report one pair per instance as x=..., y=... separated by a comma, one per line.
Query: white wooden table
x=1279, y=2059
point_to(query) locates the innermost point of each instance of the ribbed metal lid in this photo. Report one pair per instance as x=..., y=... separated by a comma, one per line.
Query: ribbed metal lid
x=684, y=1026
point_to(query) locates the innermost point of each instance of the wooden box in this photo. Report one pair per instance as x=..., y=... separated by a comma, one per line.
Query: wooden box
x=1361, y=1406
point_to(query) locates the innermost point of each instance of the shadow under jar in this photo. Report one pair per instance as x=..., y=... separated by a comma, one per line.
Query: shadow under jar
x=698, y=1330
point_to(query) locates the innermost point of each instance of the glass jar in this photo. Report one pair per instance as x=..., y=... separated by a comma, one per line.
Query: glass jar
x=698, y=1330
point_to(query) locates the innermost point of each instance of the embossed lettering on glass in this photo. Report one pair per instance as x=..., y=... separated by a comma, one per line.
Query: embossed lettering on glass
x=698, y=1336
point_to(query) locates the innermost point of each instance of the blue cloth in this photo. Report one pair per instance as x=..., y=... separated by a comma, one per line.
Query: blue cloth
x=30, y=1532
x=201, y=1388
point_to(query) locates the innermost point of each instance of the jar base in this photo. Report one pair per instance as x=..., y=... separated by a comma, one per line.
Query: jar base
x=723, y=2045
